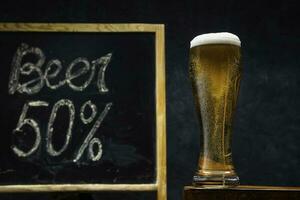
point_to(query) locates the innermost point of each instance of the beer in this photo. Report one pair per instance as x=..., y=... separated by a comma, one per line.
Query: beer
x=215, y=72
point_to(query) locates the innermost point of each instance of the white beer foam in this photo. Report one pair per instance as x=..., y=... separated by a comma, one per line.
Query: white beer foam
x=216, y=38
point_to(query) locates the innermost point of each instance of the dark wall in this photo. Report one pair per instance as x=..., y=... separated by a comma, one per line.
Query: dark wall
x=267, y=123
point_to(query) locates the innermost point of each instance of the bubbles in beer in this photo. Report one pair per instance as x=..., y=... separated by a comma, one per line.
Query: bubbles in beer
x=215, y=73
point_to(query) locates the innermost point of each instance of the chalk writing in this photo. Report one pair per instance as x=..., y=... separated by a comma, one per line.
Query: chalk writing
x=59, y=104
x=35, y=85
x=34, y=125
x=37, y=78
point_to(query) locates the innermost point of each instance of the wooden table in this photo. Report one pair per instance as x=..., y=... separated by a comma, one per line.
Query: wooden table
x=242, y=193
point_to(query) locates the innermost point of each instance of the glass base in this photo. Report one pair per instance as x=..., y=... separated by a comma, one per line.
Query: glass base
x=216, y=180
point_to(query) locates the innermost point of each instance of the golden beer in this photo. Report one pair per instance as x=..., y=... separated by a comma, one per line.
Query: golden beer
x=215, y=72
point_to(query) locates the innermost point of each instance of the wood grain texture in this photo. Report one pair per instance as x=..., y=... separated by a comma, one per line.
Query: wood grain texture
x=242, y=192
x=77, y=187
x=161, y=114
x=78, y=27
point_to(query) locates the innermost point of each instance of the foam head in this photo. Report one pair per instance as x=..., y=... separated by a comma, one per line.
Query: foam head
x=216, y=38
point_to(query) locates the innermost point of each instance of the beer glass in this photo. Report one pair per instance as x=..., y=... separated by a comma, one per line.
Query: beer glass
x=215, y=74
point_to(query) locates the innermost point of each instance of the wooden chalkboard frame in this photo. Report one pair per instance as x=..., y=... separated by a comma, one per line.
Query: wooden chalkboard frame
x=158, y=30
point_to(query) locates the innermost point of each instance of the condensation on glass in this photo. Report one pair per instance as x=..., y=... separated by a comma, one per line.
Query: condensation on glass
x=215, y=72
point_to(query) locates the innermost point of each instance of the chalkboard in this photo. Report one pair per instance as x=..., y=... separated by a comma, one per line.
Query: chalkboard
x=81, y=105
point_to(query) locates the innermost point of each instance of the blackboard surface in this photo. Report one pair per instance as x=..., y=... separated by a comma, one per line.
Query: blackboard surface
x=125, y=112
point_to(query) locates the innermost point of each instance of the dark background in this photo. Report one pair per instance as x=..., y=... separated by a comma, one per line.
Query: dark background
x=266, y=147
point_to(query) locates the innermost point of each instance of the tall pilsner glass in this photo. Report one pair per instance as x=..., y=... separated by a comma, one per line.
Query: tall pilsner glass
x=215, y=72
